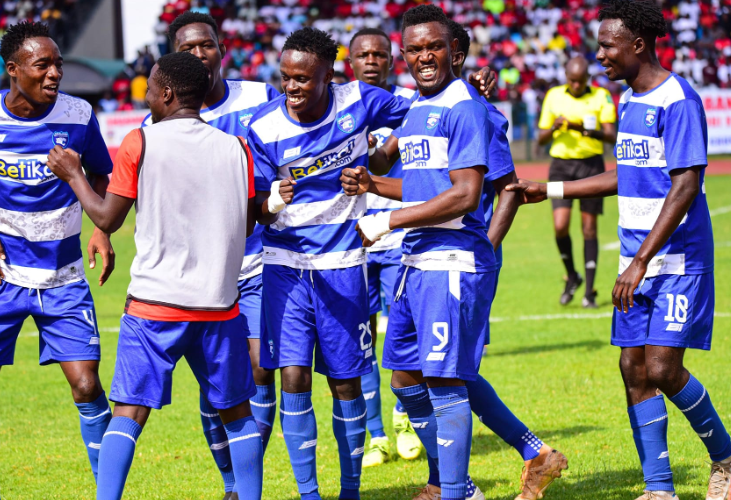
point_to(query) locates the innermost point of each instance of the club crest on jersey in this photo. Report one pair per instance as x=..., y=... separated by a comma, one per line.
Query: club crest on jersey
x=650, y=117
x=61, y=139
x=432, y=120
x=346, y=123
x=245, y=119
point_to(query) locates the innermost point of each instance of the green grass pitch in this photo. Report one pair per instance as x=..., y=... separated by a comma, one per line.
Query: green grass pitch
x=558, y=374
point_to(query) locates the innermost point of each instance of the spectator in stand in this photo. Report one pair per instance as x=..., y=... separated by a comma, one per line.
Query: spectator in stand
x=108, y=104
x=138, y=89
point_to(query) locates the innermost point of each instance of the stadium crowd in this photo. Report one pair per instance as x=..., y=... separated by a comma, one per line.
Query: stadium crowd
x=526, y=41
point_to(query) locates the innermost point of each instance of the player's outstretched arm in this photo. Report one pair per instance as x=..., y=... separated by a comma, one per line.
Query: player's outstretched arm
x=597, y=186
x=100, y=243
x=507, y=207
x=685, y=187
x=383, y=158
x=107, y=213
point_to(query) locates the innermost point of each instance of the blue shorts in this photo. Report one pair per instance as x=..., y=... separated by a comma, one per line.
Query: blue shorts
x=148, y=351
x=65, y=318
x=669, y=310
x=439, y=323
x=325, y=310
x=250, y=305
x=382, y=270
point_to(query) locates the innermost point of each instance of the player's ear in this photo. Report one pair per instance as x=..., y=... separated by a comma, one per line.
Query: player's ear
x=12, y=68
x=640, y=45
x=222, y=49
x=167, y=95
x=329, y=75
x=458, y=58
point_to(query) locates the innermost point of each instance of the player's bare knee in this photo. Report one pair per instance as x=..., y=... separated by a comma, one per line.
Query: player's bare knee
x=667, y=377
x=633, y=369
x=296, y=380
x=262, y=376
x=86, y=388
x=345, y=389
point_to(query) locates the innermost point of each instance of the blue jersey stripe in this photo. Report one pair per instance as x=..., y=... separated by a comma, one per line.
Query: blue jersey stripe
x=41, y=254
x=52, y=195
x=315, y=239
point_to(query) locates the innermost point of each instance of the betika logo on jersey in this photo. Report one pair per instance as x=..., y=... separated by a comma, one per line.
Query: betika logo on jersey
x=416, y=152
x=27, y=171
x=631, y=150
x=337, y=159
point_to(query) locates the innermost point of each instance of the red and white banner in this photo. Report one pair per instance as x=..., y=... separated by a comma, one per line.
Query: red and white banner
x=115, y=126
x=717, y=103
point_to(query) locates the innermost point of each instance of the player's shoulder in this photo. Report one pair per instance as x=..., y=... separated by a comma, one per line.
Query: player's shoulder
x=673, y=90
x=258, y=92
x=69, y=110
x=457, y=95
x=403, y=92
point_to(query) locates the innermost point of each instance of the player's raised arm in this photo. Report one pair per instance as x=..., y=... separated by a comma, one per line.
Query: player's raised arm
x=107, y=213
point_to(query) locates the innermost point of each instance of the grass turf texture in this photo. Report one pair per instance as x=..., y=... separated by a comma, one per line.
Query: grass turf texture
x=558, y=374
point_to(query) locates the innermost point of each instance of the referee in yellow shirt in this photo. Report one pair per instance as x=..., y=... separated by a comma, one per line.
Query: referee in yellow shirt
x=578, y=118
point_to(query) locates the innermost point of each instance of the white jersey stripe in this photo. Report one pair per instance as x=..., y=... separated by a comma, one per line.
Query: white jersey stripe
x=640, y=213
x=52, y=225
x=31, y=277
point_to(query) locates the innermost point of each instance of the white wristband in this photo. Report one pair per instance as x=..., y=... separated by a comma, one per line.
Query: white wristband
x=371, y=151
x=375, y=226
x=275, y=203
x=554, y=190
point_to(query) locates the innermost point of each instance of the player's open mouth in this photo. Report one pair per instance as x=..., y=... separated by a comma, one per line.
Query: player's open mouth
x=295, y=100
x=51, y=89
x=428, y=72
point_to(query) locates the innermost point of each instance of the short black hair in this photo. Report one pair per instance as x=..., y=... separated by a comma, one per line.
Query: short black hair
x=371, y=31
x=422, y=14
x=640, y=17
x=313, y=41
x=17, y=34
x=187, y=18
x=461, y=35
x=186, y=75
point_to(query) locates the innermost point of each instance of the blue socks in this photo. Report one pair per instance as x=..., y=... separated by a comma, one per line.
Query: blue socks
x=649, y=421
x=94, y=417
x=492, y=412
x=416, y=402
x=695, y=403
x=217, y=442
x=300, y=435
x=454, y=437
x=264, y=409
x=115, y=457
x=371, y=384
x=349, y=427
x=247, y=457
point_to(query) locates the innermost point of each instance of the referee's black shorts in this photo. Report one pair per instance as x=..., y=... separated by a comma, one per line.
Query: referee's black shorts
x=571, y=170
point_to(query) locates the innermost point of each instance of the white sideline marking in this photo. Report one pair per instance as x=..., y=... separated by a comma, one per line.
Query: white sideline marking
x=720, y=210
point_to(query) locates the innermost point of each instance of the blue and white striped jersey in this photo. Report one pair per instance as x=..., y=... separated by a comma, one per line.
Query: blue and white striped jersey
x=501, y=163
x=444, y=132
x=317, y=230
x=660, y=131
x=40, y=216
x=232, y=115
x=377, y=203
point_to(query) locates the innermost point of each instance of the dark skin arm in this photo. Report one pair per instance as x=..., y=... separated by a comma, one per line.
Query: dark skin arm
x=99, y=241
x=262, y=209
x=685, y=187
x=460, y=199
x=107, y=213
x=358, y=181
x=597, y=186
x=504, y=213
x=383, y=159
